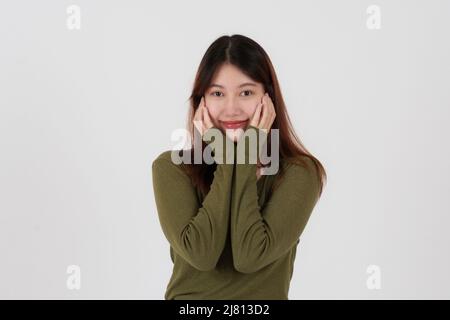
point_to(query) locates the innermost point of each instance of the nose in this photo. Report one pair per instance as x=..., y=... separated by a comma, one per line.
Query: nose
x=232, y=107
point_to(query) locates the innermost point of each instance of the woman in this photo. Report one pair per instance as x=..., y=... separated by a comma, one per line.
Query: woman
x=233, y=232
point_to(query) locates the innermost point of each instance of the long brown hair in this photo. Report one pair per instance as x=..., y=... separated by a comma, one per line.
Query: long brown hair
x=252, y=60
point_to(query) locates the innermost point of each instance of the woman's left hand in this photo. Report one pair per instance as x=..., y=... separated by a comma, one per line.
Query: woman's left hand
x=263, y=118
x=264, y=114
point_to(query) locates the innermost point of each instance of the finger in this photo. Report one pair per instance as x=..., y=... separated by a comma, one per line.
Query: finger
x=271, y=105
x=202, y=113
x=264, y=114
x=256, y=116
x=207, y=117
x=272, y=112
x=198, y=118
x=268, y=112
x=202, y=102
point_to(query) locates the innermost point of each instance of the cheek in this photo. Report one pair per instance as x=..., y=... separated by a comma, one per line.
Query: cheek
x=250, y=108
x=216, y=107
x=213, y=112
x=212, y=107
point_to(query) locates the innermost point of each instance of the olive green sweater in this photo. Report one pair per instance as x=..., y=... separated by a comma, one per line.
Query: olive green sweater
x=239, y=241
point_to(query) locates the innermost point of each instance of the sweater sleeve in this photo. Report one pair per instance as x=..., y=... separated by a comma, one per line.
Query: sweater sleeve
x=196, y=232
x=259, y=237
x=220, y=146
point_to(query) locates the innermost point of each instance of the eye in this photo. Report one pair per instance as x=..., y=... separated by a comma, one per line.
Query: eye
x=250, y=91
x=214, y=93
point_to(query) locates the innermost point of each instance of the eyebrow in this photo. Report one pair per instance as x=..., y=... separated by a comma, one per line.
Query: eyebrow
x=240, y=86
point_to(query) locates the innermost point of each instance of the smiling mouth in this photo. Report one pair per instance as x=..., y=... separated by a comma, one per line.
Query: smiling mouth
x=234, y=124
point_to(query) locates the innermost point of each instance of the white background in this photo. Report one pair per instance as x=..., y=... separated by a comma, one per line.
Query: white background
x=83, y=113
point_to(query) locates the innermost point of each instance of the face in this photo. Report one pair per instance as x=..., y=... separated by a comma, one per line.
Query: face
x=232, y=99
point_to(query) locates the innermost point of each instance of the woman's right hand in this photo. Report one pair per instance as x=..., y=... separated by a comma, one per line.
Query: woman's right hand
x=202, y=122
x=202, y=119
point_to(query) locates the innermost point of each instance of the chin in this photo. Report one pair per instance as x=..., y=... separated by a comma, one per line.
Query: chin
x=234, y=135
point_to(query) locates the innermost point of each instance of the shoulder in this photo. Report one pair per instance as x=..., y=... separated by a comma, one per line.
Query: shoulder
x=301, y=170
x=176, y=157
x=302, y=163
x=168, y=177
x=165, y=155
x=168, y=161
